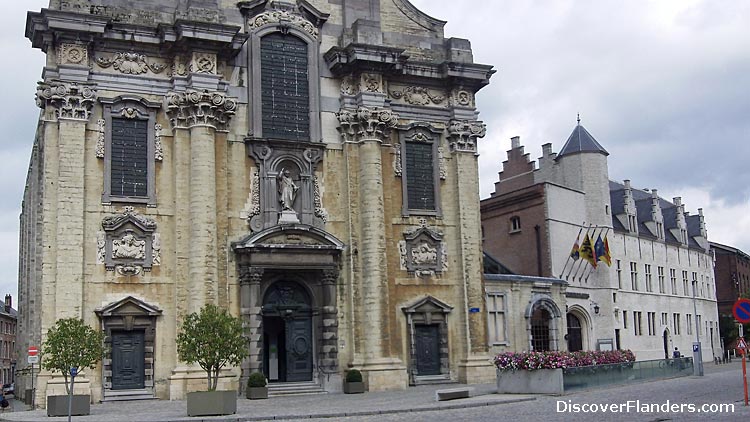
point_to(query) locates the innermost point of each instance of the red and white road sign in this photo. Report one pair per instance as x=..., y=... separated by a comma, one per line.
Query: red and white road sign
x=33, y=351
x=741, y=344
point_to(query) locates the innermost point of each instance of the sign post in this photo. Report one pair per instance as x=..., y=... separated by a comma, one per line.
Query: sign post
x=742, y=347
x=73, y=373
x=32, y=359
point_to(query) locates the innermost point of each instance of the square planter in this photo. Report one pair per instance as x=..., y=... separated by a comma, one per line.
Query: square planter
x=255, y=393
x=540, y=381
x=354, y=387
x=211, y=403
x=58, y=405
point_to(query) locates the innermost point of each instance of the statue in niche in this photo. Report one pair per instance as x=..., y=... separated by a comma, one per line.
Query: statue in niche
x=128, y=247
x=287, y=190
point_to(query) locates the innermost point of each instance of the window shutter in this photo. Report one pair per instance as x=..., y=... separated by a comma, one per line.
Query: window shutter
x=129, y=157
x=285, y=96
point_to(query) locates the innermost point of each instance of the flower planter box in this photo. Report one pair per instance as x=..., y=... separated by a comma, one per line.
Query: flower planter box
x=354, y=387
x=58, y=405
x=540, y=381
x=211, y=403
x=255, y=393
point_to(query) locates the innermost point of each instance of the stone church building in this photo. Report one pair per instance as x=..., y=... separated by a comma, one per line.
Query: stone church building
x=309, y=165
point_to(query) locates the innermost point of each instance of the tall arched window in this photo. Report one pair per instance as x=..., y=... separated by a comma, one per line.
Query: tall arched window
x=540, y=329
x=575, y=336
x=285, y=89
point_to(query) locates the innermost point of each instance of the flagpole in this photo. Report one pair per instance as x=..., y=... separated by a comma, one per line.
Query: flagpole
x=590, y=268
x=605, y=237
x=570, y=257
x=580, y=264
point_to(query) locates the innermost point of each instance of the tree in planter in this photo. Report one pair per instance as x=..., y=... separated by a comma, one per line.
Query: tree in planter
x=70, y=344
x=213, y=339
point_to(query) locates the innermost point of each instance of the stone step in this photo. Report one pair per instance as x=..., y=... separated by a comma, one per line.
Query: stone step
x=294, y=388
x=127, y=395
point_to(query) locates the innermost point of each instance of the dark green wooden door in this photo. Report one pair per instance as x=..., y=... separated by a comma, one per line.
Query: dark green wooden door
x=427, y=342
x=299, y=349
x=127, y=360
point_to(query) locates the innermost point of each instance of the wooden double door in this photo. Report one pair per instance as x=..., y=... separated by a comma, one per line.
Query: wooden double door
x=127, y=360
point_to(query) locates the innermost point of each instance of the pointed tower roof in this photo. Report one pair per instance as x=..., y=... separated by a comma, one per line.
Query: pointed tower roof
x=580, y=141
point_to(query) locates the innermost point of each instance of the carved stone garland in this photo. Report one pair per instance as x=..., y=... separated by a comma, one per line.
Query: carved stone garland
x=70, y=100
x=158, y=150
x=282, y=17
x=130, y=63
x=317, y=200
x=100, y=138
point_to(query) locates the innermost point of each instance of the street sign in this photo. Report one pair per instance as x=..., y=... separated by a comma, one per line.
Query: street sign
x=33, y=351
x=741, y=345
x=741, y=310
x=33, y=359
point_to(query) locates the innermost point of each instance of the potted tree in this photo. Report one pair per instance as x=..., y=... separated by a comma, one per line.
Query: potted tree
x=353, y=382
x=71, y=345
x=256, y=386
x=213, y=339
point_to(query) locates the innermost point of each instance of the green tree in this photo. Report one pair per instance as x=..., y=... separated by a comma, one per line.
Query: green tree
x=213, y=339
x=71, y=343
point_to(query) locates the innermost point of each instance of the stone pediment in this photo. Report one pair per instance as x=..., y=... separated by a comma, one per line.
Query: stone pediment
x=427, y=304
x=128, y=306
x=297, y=236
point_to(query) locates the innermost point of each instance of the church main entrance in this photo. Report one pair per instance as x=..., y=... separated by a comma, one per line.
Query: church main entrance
x=287, y=333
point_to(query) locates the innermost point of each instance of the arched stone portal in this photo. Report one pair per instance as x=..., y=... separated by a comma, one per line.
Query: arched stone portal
x=288, y=276
x=542, y=323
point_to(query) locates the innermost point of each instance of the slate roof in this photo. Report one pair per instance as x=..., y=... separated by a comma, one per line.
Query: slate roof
x=493, y=266
x=580, y=141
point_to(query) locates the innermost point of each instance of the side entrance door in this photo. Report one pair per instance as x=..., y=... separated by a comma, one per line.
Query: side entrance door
x=127, y=360
x=298, y=349
x=427, y=342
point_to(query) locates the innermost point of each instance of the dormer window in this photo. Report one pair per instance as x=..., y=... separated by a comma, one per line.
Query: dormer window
x=660, y=230
x=631, y=223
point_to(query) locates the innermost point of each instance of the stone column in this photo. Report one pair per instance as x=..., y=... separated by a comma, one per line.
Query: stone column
x=369, y=127
x=70, y=105
x=203, y=113
x=329, y=350
x=462, y=139
x=252, y=321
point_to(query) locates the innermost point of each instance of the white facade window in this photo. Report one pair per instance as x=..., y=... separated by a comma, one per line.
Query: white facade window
x=676, y=322
x=634, y=276
x=515, y=224
x=649, y=284
x=660, y=273
x=673, y=280
x=624, y=319
x=689, y=324
x=638, y=323
x=664, y=318
x=651, y=321
x=619, y=273
x=685, y=290
x=496, y=318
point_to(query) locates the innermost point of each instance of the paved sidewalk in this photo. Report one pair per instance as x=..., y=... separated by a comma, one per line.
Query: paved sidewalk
x=414, y=399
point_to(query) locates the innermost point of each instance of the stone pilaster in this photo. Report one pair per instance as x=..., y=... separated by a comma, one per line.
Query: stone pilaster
x=202, y=113
x=368, y=128
x=68, y=107
x=252, y=320
x=329, y=352
x=462, y=138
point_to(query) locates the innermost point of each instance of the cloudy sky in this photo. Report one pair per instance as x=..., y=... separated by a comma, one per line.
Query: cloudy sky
x=663, y=85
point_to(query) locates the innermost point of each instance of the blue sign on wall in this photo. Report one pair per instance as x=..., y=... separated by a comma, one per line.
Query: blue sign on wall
x=473, y=310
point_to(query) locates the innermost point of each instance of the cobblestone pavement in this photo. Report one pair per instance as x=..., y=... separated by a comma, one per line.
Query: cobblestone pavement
x=722, y=384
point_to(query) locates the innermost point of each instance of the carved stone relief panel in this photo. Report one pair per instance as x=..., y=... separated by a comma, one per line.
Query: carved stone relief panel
x=100, y=138
x=417, y=95
x=461, y=98
x=203, y=63
x=74, y=54
x=128, y=243
x=422, y=252
x=130, y=63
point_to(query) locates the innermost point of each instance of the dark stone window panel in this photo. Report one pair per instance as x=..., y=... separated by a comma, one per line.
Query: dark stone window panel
x=285, y=95
x=420, y=173
x=129, y=155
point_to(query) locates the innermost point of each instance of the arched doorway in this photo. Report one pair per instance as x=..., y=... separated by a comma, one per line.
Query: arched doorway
x=665, y=338
x=287, y=333
x=575, y=334
x=542, y=322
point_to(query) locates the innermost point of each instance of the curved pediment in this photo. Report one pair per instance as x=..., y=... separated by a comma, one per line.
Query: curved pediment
x=295, y=236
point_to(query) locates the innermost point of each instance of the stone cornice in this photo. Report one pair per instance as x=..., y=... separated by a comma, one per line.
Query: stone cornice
x=366, y=123
x=200, y=108
x=70, y=100
x=463, y=134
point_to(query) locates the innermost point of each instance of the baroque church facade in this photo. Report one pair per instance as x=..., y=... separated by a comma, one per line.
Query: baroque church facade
x=311, y=166
x=657, y=293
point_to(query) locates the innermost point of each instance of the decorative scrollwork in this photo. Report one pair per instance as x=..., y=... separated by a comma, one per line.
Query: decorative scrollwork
x=282, y=17
x=130, y=63
x=158, y=149
x=100, y=138
x=417, y=95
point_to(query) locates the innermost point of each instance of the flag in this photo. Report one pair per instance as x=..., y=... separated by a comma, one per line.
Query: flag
x=607, y=257
x=574, y=252
x=599, y=248
x=587, y=252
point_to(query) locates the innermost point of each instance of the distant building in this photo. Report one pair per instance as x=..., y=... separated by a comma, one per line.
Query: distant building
x=732, y=272
x=659, y=253
x=8, y=354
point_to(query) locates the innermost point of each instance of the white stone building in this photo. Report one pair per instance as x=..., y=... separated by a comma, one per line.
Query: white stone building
x=659, y=252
